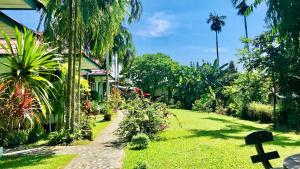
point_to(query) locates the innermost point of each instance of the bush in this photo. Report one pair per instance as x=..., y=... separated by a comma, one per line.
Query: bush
x=107, y=111
x=62, y=137
x=140, y=141
x=143, y=117
x=36, y=134
x=95, y=107
x=141, y=165
x=205, y=104
x=261, y=112
x=13, y=138
x=86, y=128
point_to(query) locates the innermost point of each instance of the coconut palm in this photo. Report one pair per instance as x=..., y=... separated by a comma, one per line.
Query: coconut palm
x=217, y=22
x=243, y=10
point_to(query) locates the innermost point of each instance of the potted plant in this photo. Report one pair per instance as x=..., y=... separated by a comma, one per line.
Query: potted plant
x=107, y=111
x=95, y=108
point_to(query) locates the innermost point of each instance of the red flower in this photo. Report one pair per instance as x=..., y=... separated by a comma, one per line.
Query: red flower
x=87, y=105
x=137, y=91
x=146, y=95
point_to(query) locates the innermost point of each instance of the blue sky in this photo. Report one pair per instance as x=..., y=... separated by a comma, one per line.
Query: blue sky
x=178, y=28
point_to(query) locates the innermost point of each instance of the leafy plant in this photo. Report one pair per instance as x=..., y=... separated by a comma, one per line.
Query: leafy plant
x=31, y=64
x=261, y=112
x=62, y=137
x=95, y=107
x=140, y=141
x=141, y=165
x=143, y=117
x=86, y=128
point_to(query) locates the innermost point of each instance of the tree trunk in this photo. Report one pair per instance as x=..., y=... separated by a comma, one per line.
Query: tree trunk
x=70, y=64
x=274, y=100
x=79, y=83
x=217, y=47
x=117, y=70
x=74, y=68
x=246, y=30
x=107, y=76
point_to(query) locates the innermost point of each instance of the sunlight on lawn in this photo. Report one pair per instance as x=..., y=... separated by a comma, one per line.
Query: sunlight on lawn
x=99, y=126
x=36, y=162
x=209, y=141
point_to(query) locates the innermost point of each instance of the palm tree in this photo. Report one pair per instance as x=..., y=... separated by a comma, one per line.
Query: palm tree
x=97, y=23
x=123, y=48
x=217, y=22
x=243, y=10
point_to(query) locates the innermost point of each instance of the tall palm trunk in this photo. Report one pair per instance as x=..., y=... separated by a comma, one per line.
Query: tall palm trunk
x=246, y=30
x=70, y=65
x=74, y=68
x=79, y=79
x=107, y=76
x=217, y=47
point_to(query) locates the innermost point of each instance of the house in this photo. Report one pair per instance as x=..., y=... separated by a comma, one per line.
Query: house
x=21, y=4
x=96, y=76
x=90, y=69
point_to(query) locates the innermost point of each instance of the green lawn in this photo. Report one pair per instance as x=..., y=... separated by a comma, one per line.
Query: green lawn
x=209, y=141
x=100, y=124
x=35, y=162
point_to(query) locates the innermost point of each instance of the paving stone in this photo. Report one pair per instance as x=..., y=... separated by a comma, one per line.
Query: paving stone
x=105, y=152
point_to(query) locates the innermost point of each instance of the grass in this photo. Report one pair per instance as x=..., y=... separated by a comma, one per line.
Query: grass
x=35, y=162
x=209, y=141
x=97, y=128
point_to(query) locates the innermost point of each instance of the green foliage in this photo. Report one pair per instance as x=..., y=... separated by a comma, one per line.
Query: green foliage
x=86, y=128
x=141, y=165
x=204, y=104
x=143, y=117
x=261, y=112
x=217, y=22
x=63, y=137
x=140, y=141
x=95, y=107
x=13, y=138
x=152, y=72
x=248, y=87
x=31, y=66
x=277, y=51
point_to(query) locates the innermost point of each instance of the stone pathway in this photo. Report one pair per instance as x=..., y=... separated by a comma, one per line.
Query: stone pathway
x=105, y=152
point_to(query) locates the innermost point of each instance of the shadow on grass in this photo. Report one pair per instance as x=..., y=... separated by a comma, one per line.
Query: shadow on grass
x=22, y=161
x=238, y=131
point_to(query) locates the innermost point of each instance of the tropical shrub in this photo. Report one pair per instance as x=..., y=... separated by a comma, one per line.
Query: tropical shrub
x=86, y=128
x=205, y=104
x=115, y=98
x=143, y=117
x=95, y=108
x=13, y=138
x=25, y=88
x=63, y=137
x=139, y=141
x=248, y=87
x=141, y=165
x=261, y=112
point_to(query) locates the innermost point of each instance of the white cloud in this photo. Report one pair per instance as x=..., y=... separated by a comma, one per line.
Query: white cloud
x=158, y=25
